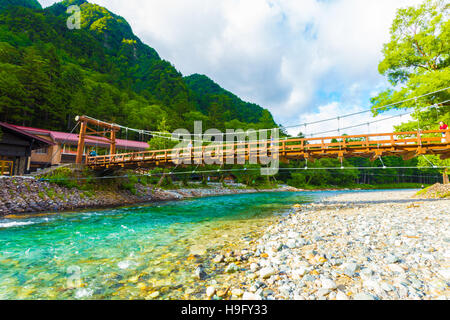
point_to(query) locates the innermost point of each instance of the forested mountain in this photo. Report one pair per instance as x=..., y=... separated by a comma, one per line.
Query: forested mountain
x=4, y=4
x=49, y=74
x=211, y=98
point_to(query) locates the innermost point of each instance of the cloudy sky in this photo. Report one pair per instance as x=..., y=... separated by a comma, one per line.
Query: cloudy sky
x=304, y=60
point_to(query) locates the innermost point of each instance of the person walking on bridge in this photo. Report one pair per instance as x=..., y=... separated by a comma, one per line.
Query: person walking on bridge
x=445, y=135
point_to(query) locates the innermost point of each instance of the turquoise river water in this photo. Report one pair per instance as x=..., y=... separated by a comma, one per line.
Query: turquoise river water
x=121, y=253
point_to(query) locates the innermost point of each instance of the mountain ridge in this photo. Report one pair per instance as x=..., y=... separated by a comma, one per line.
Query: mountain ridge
x=117, y=76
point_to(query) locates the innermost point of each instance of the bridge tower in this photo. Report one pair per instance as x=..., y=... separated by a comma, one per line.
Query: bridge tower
x=104, y=133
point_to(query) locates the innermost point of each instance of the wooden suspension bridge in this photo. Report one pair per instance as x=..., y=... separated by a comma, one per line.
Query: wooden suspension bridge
x=403, y=144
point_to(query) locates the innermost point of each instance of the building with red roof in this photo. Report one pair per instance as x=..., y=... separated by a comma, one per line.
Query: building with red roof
x=63, y=146
x=16, y=148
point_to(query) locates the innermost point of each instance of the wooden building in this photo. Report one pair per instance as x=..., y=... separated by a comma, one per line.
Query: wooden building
x=63, y=148
x=16, y=146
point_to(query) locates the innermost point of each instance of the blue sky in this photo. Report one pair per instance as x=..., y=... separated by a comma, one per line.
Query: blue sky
x=302, y=59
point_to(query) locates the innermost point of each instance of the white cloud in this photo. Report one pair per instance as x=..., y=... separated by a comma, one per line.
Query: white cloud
x=295, y=57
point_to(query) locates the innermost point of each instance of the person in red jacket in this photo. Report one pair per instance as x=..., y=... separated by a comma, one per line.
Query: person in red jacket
x=443, y=126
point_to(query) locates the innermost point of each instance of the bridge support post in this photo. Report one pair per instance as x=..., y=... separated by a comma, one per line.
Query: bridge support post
x=80, y=149
x=113, y=143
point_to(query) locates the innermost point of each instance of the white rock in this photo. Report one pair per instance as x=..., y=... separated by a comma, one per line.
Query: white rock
x=371, y=284
x=250, y=296
x=237, y=292
x=341, y=296
x=396, y=268
x=254, y=267
x=299, y=272
x=350, y=269
x=363, y=296
x=322, y=292
x=210, y=291
x=231, y=268
x=292, y=244
x=267, y=272
x=328, y=284
x=83, y=293
x=445, y=273
x=218, y=259
x=293, y=235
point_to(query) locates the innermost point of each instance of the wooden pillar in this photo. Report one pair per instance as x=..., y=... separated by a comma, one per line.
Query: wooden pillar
x=112, y=149
x=80, y=149
x=445, y=175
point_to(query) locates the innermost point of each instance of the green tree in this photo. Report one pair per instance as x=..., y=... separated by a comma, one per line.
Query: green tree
x=416, y=62
x=163, y=141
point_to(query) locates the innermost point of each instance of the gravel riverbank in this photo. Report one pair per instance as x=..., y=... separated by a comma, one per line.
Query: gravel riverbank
x=362, y=246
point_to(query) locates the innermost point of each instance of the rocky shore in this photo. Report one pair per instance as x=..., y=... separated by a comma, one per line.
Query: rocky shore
x=353, y=246
x=20, y=195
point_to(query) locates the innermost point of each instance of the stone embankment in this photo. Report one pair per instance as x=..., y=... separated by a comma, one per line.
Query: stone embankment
x=21, y=195
x=361, y=246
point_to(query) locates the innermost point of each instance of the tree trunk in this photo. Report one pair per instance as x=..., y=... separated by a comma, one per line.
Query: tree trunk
x=159, y=182
x=445, y=175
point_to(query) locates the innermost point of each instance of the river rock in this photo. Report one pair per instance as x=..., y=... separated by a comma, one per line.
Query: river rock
x=363, y=296
x=210, y=291
x=267, y=272
x=218, y=259
x=328, y=284
x=200, y=273
x=232, y=268
x=254, y=267
x=251, y=296
x=341, y=296
x=237, y=293
x=350, y=269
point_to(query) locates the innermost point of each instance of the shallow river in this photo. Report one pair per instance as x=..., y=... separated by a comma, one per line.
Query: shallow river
x=126, y=253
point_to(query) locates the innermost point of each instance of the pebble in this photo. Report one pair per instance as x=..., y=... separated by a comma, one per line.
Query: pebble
x=232, y=268
x=210, y=291
x=254, y=267
x=363, y=296
x=154, y=295
x=267, y=272
x=341, y=296
x=200, y=273
x=251, y=296
x=396, y=268
x=350, y=269
x=237, y=293
x=328, y=284
x=218, y=259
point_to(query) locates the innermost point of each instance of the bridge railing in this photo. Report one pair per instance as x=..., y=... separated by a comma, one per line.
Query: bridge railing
x=255, y=148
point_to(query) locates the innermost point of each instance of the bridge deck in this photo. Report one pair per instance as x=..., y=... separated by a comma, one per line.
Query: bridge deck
x=405, y=144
